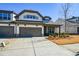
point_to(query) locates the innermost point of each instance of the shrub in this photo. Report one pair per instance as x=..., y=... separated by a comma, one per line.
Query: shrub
x=55, y=34
x=64, y=35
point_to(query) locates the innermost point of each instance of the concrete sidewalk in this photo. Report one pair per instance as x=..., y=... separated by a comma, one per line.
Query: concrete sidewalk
x=35, y=46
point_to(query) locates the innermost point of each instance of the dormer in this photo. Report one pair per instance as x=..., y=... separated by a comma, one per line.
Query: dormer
x=29, y=15
x=46, y=19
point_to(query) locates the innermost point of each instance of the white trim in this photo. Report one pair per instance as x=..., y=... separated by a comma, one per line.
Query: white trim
x=16, y=29
x=7, y=24
x=42, y=31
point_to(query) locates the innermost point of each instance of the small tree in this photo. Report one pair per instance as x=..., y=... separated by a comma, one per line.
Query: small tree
x=65, y=10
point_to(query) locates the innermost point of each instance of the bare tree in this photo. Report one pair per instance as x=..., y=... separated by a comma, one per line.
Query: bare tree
x=65, y=9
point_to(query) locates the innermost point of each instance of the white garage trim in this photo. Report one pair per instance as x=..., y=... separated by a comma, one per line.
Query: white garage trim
x=4, y=24
x=42, y=31
x=7, y=25
x=16, y=29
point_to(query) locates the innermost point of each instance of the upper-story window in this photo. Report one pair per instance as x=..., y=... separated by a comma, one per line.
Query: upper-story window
x=77, y=20
x=46, y=20
x=30, y=17
x=5, y=16
x=0, y=15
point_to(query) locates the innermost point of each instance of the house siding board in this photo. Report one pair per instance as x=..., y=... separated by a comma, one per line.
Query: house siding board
x=72, y=27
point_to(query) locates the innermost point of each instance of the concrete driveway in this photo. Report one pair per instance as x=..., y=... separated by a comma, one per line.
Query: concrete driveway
x=72, y=47
x=35, y=46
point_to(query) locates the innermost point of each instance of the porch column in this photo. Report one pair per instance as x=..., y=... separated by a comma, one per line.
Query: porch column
x=42, y=31
x=16, y=30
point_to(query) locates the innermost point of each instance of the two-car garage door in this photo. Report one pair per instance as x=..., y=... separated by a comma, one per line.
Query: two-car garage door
x=30, y=31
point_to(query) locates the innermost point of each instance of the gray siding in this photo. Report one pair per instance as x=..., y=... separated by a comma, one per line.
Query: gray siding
x=70, y=27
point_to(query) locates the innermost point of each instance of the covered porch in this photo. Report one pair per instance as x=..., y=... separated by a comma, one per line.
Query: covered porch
x=49, y=29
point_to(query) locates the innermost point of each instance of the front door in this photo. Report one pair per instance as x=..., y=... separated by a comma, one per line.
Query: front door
x=48, y=30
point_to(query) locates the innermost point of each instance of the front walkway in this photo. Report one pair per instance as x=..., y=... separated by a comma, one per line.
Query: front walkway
x=36, y=46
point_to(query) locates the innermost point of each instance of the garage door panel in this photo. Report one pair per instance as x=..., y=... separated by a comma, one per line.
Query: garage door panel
x=6, y=31
x=30, y=31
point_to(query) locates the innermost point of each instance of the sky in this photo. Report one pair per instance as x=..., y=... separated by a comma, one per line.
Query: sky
x=54, y=10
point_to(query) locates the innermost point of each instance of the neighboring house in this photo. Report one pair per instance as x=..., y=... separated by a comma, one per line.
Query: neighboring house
x=72, y=25
x=26, y=23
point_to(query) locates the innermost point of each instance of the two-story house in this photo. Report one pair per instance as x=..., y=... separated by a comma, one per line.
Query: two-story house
x=26, y=23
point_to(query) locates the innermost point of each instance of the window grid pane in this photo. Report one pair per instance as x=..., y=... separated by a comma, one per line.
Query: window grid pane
x=0, y=16
x=9, y=16
x=5, y=16
x=30, y=17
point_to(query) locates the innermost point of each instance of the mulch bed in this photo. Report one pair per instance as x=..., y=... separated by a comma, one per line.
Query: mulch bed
x=64, y=41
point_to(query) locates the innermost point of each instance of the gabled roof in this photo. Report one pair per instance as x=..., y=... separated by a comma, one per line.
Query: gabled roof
x=31, y=11
x=72, y=18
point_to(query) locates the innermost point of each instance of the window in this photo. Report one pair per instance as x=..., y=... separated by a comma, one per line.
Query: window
x=50, y=30
x=5, y=16
x=25, y=17
x=30, y=17
x=9, y=17
x=36, y=17
x=33, y=17
x=0, y=16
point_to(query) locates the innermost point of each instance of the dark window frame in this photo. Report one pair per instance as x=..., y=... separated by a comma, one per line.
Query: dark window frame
x=5, y=16
x=30, y=17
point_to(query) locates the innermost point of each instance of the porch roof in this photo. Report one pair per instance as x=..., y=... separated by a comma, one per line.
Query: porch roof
x=33, y=23
x=53, y=25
